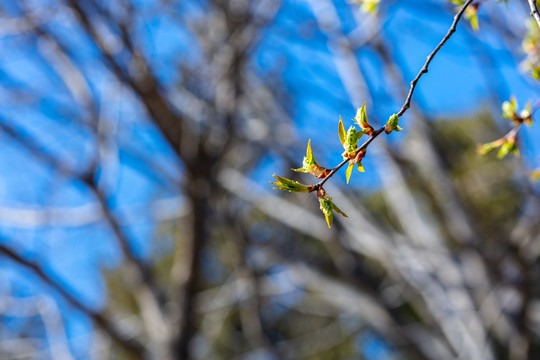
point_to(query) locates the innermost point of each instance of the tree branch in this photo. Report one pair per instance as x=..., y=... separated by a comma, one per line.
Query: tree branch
x=407, y=103
x=430, y=57
x=534, y=11
x=147, y=292
x=132, y=346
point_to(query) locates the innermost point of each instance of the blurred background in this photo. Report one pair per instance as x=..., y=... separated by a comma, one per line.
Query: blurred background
x=137, y=221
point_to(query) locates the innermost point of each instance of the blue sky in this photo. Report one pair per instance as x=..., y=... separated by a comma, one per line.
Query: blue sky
x=454, y=87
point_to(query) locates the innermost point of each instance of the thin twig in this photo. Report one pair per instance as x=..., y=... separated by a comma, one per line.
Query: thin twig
x=534, y=11
x=430, y=57
x=364, y=145
x=147, y=294
x=407, y=103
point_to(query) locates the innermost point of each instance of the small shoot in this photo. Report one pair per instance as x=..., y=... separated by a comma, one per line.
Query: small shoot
x=506, y=145
x=471, y=14
x=310, y=166
x=291, y=185
x=392, y=124
x=510, y=111
x=509, y=146
x=328, y=207
x=342, y=133
x=535, y=72
x=358, y=161
x=349, y=140
x=362, y=120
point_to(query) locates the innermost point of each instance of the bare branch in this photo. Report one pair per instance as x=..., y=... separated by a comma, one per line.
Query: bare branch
x=534, y=11
x=430, y=57
x=147, y=292
x=132, y=346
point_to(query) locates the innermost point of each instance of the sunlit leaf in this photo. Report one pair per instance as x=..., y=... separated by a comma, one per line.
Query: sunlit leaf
x=349, y=170
x=488, y=147
x=309, y=154
x=535, y=72
x=290, y=185
x=507, y=148
x=327, y=207
x=509, y=108
x=474, y=21
x=342, y=133
x=362, y=120
x=471, y=13
x=310, y=166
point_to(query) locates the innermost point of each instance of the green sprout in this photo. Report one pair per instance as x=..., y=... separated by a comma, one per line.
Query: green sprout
x=291, y=185
x=362, y=120
x=392, y=124
x=327, y=207
x=310, y=166
x=506, y=145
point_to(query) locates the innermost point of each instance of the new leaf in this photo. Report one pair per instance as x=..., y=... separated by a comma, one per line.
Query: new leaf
x=290, y=185
x=310, y=166
x=327, y=207
x=362, y=120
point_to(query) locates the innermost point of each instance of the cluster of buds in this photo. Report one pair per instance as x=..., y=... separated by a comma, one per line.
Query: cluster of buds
x=352, y=154
x=349, y=140
x=510, y=111
x=508, y=143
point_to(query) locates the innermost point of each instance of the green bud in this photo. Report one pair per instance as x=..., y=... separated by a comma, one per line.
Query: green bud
x=327, y=207
x=392, y=124
x=342, y=133
x=509, y=108
x=351, y=139
x=526, y=114
x=486, y=148
x=535, y=72
x=506, y=148
x=472, y=14
x=310, y=166
x=362, y=120
x=291, y=185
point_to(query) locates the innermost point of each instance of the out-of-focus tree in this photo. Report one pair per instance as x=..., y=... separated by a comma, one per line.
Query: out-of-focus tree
x=137, y=222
